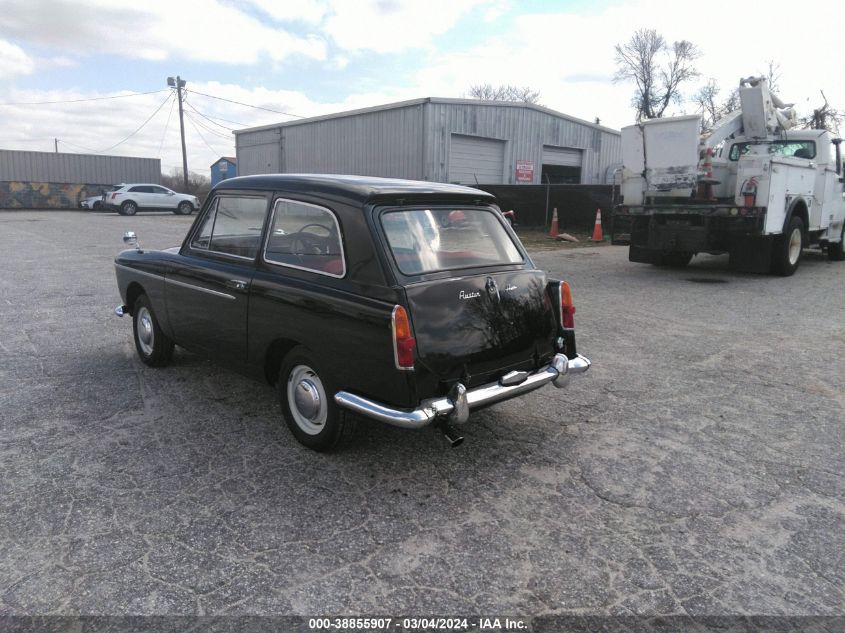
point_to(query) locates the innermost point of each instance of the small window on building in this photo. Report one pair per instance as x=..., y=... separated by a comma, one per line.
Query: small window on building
x=232, y=225
x=307, y=237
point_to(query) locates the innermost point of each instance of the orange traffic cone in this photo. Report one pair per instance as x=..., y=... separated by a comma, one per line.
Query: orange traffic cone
x=597, y=236
x=553, y=229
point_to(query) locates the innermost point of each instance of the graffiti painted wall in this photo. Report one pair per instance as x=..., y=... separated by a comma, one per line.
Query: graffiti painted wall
x=46, y=195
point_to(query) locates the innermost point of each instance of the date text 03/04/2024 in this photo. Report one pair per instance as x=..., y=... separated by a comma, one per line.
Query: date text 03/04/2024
x=417, y=624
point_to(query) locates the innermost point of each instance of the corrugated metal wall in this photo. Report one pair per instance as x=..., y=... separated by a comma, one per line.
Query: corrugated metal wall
x=259, y=152
x=413, y=141
x=526, y=131
x=47, y=167
x=386, y=143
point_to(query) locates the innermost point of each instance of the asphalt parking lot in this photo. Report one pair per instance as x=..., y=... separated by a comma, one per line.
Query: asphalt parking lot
x=697, y=469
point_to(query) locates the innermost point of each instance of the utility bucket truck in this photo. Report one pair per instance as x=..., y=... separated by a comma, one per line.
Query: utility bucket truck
x=752, y=187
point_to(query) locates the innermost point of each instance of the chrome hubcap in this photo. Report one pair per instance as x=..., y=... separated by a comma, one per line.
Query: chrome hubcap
x=794, y=246
x=306, y=398
x=146, y=333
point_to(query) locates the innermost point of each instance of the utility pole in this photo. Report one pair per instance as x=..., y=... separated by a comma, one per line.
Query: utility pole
x=56, y=143
x=179, y=83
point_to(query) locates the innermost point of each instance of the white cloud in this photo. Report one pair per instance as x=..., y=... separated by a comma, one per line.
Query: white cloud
x=155, y=30
x=568, y=58
x=393, y=25
x=311, y=11
x=14, y=61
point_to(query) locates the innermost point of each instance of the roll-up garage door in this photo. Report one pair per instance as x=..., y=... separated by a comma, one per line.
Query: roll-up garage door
x=475, y=160
x=561, y=165
x=562, y=156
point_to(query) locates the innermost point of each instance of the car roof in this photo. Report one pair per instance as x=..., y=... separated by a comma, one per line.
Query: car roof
x=360, y=188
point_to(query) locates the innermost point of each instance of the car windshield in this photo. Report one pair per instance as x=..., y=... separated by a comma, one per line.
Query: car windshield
x=431, y=240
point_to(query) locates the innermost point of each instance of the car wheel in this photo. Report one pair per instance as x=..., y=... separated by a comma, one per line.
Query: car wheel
x=308, y=405
x=675, y=259
x=128, y=208
x=97, y=206
x=184, y=208
x=788, y=248
x=836, y=252
x=153, y=345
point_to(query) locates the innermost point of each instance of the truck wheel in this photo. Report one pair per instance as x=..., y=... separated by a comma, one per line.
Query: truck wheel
x=153, y=345
x=675, y=259
x=308, y=405
x=836, y=252
x=786, y=254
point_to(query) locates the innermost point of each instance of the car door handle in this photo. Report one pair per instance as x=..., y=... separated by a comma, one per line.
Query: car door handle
x=237, y=284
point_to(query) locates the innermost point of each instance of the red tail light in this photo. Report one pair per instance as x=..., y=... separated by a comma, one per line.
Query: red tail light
x=403, y=340
x=114, y=195
x=567, y=308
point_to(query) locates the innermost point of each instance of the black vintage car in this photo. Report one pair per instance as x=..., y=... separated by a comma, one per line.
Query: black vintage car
x=355, y=295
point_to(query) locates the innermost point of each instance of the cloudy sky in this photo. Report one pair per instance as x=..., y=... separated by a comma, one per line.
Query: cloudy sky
x=300, y=58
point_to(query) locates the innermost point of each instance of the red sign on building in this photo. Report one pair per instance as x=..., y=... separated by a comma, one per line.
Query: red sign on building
x=525, y=171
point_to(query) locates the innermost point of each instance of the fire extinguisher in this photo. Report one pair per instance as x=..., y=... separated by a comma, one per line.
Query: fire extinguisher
x=749, y=191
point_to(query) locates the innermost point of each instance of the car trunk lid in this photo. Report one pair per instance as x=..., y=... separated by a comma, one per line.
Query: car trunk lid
x=473, y=328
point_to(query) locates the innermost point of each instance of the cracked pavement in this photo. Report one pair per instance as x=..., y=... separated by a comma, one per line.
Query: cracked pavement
x=697, y=469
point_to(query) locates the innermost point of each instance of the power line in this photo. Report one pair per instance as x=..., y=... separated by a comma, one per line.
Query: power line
x=166, y=99
x=33, y=103
x=218, y=118
x=247, y=104
x=191, y=106
x=190, y=118
x=164, y=134
x=87, y=149
x=208, y=129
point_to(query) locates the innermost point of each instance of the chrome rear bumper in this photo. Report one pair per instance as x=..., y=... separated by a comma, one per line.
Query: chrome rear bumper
x=455, y=407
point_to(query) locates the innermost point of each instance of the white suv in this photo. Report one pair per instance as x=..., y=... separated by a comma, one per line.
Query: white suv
x=128, y=199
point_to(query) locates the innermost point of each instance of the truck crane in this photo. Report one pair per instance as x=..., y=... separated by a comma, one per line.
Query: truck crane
x=753, y=186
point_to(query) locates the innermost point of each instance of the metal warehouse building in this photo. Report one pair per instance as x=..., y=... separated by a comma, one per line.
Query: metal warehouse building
x=48, y=180
x=442, y=140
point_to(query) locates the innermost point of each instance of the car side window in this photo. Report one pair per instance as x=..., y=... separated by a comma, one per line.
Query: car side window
x=305, y=236
x=232, y=225
x=139, y=189
x=159, y=190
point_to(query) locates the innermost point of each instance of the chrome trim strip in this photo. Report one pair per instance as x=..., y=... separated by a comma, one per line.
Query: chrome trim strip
x=199, y=288
x=430, y=409
x=139, y=272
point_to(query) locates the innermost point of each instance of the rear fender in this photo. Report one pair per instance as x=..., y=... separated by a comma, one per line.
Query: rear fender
x=798, y=207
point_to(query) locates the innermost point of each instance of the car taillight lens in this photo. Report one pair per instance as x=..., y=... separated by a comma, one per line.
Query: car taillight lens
x=567, y=307
x=114, y=195
x=403, y=340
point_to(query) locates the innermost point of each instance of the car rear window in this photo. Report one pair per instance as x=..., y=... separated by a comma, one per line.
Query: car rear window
x=431, y=240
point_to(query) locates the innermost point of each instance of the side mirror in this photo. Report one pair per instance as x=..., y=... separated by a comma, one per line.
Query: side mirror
x=130, y=239
x=170, y=193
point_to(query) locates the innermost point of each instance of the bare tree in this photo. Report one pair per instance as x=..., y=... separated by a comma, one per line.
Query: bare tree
x=657, y=69
x=772, y=75
x=489, y=92
x=824, y=118
x=198, y=185
x=706, y=98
